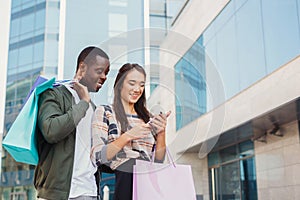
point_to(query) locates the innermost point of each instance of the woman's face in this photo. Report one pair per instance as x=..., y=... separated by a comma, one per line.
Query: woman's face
x=133, y=87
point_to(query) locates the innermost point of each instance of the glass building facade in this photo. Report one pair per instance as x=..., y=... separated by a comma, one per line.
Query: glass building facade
x=162, y=14
x=190, y=88
x=248, y=40
x=33, y=48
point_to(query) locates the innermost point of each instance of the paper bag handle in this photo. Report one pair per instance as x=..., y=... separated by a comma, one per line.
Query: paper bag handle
x=168, y=154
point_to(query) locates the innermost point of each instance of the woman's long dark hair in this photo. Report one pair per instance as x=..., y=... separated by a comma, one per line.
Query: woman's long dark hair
x=139, y=106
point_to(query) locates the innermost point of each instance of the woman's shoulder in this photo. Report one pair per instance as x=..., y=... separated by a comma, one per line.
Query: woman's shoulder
x=107, y=108
x=102, y=111
x=104, y=108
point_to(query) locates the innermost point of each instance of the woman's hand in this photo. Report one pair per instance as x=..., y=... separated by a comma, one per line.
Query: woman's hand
x=159, y=123
x=138, y=132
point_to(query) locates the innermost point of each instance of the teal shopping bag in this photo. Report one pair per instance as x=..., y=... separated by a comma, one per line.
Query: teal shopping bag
x=20, y=141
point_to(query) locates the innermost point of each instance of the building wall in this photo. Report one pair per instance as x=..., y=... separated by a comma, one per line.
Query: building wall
x=278, y=165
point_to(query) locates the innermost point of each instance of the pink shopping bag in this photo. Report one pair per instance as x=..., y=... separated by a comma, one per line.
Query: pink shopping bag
x=162, y=181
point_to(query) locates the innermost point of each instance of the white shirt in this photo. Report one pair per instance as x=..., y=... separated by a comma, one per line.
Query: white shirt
x=83, y=181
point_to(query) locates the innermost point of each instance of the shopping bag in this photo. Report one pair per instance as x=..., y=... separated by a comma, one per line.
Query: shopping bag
x=38, y=81
x=162, y=181
x=20, y=141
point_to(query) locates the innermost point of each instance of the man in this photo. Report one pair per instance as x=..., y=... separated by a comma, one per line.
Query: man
x=65, y=170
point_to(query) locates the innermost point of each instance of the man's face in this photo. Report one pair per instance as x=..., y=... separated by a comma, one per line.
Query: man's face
x=95, y=74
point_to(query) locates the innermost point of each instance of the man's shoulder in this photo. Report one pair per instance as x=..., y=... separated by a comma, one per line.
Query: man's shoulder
x=57, y=92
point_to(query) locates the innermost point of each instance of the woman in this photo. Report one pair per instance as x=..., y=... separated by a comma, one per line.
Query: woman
x=124, y=133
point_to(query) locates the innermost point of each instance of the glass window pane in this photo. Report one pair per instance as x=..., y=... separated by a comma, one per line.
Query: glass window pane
x=209, y=34
x=117, y=23
x=12, y=71
x=13, y=58
x=213, y=159
x=226, y=58
x=37, y=65
x=239, y=3
x=230, y=181
x=248, y=179
x=157, y=7
x=190, y=85
x=27, y=23
x=39, y=19
x=251, y=57
x=246, y=149
x=120, y=3
x=187, y=87
x=173, y=7
x=224, y=16
x=157, y=22
x=39, y=1
x=15, y=3
x=22, y=91
x=228, y=154
x=25, y=55
x=283, y=43
x=38, y=51
x=15, y=27
x=27, y=4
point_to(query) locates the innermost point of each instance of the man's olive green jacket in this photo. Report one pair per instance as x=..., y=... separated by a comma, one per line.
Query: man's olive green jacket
x=58, y=117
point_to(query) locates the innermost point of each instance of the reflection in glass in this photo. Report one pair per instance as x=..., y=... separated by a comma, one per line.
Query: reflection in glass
x=232, y=173
x=281, y=32
x=249, y=40
x=190, y=87
x=228, y=154
x=27, y=24
x=250, y=56
x=248, y=179
x=230, y=181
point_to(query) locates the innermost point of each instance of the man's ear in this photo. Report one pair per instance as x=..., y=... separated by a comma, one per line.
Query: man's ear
x=81, y=70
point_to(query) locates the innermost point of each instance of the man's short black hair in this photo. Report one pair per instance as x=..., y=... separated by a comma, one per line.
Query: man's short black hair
x=88, y=55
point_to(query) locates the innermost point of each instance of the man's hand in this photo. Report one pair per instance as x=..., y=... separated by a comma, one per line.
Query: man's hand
x=82, y=91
